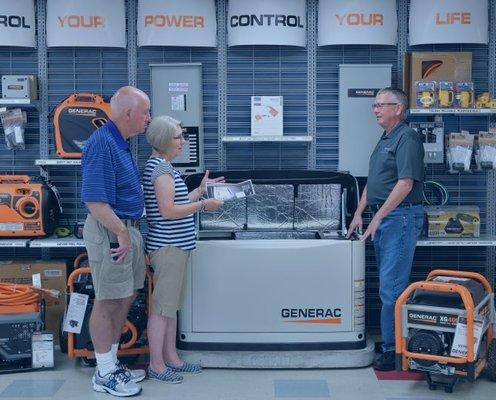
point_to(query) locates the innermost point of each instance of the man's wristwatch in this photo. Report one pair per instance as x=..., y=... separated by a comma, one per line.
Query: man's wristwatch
x=202, y=208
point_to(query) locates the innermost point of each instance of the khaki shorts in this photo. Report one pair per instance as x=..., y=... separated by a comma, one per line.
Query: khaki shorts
x=113, y=280
x=169, y=264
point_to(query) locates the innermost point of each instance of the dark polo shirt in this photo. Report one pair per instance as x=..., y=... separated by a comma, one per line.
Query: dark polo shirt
x=396, y=156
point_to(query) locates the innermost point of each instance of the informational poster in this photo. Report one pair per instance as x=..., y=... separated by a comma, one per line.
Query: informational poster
x=266, y=115
x=357, y=22
x=453, y=21
x=267, y=22
x=17, y=23
x=190, y=23
x=88, y=23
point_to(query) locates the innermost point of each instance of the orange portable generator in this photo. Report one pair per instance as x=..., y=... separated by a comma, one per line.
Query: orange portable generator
x=75, y=119
x=132, y=342
x=29, y=206
x=444, y=327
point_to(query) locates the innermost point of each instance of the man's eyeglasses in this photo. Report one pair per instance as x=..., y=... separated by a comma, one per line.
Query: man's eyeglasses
x=382, y=105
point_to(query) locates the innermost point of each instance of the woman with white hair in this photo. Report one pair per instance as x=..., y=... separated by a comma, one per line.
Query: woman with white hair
x=170, y=239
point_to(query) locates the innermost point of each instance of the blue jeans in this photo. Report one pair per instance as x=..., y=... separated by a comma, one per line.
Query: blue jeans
x=394, y=246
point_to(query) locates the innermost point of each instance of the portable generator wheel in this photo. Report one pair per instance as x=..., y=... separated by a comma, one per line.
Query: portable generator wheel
x=491, y=361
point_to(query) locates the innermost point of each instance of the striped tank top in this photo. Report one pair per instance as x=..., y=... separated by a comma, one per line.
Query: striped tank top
x=162, y=231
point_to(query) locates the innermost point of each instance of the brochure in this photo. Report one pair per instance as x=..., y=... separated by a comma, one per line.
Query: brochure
x=230, y=191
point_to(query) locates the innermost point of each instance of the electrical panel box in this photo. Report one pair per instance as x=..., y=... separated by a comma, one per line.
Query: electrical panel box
x=19, y=87
x=433, y=137
x=358, y=128
x=176, y=91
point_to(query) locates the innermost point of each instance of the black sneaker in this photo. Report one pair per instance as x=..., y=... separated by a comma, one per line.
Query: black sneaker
x=385, y=362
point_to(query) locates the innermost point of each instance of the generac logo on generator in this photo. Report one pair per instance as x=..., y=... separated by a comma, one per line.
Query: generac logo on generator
x=359, y=19
x=81, y=21
x=174, y=21
x=312, y=315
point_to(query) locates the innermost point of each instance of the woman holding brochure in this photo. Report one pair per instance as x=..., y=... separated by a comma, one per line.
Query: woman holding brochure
x=170, y=239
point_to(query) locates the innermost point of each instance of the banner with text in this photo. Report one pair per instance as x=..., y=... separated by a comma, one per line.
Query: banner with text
x=190, y=23
x=357, y=22
x=88, y=23
x=454, y=21
x=17, y=23
x=273, y=22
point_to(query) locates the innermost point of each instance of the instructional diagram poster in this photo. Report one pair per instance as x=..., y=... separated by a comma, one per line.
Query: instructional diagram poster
x=266, y=116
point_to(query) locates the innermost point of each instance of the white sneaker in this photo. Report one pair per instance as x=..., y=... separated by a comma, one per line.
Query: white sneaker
x=116, y=383
x=135, y=375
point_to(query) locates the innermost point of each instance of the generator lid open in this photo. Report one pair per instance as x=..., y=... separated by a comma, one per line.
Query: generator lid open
x=284, y=200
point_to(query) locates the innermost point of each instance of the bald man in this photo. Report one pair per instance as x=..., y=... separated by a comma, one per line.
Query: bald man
x=111, y=190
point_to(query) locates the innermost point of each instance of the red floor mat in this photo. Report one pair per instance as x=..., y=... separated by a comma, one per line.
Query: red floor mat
x=399, y=376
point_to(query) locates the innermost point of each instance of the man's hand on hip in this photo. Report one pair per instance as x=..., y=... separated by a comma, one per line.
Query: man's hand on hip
x=120, y=253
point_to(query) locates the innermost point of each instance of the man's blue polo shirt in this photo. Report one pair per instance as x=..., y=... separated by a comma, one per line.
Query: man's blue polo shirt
x=110, y=174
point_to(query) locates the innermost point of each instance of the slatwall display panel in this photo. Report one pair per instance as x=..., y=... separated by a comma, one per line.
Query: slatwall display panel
x=266, y=156
x=208, y=58
x=328, y=60
x=464, y=189
x=266, y=71
x=426, y=259
x=79, y=70
x=21, y=61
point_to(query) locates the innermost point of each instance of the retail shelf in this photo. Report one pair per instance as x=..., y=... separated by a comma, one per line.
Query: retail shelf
x=464, y=111
x=58, y=161
x=268, y=138
x=483, y=241
x=19, y=103
x=53, y=241
x=13, y=242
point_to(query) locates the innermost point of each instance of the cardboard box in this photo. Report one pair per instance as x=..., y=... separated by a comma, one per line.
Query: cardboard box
x=53, y=276
x=435, y=66
x=453, y=221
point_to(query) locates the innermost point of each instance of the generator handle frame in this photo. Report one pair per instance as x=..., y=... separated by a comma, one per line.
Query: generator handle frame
x=461, y=274
x=401, y=349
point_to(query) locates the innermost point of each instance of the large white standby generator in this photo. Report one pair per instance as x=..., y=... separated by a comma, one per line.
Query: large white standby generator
x=274, y=272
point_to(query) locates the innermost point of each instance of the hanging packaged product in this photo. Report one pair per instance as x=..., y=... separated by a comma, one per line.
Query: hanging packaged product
x=446, y=94
x=485, y=150
x=13, y=122
x=464, y=97
x=29, y=206
x=459, y=151
x=425, y=94
x=75, y=119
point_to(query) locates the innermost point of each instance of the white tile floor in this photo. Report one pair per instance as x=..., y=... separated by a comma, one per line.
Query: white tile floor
x=70, y=381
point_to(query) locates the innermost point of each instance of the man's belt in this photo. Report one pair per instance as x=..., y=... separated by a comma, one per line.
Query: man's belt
x=375, y=207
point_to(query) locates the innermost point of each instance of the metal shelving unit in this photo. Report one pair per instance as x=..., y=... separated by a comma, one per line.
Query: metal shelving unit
x=272, y=138
x=457, y=111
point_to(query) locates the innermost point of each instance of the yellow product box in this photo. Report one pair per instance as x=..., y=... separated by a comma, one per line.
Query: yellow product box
x=453, y=221
x=53, y=276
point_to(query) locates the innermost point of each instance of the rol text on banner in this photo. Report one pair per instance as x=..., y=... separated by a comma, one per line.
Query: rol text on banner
x=273, y=22
x=88, y=23
x=453, y=21
x=357, y=22
x=17, y=23
x=188, y=23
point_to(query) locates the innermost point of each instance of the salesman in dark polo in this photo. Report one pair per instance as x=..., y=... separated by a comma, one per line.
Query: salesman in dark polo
x=394, y=195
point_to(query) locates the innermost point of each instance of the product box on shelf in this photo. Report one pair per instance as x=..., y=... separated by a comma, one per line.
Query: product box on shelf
x=453, y=221
x=53, y=276
x=434, y=66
